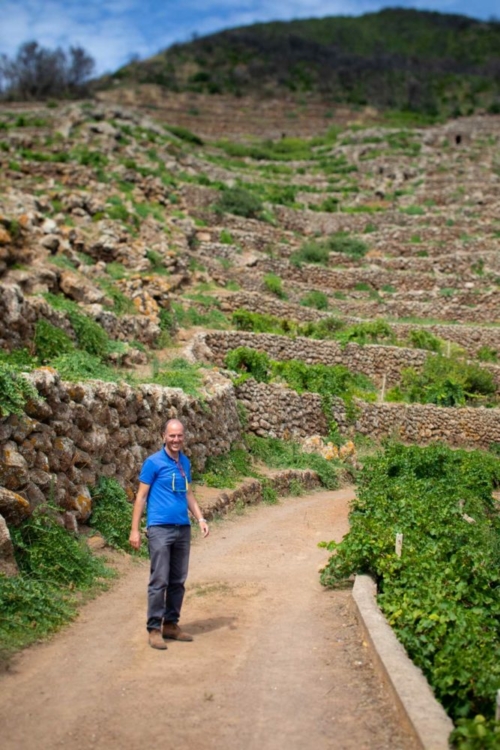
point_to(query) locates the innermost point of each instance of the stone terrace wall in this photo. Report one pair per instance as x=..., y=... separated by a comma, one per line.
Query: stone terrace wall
x=80, y=431
x=19, y=314
x=375, y=361
x=280, y=412
x=317, y=276
x=470, y=337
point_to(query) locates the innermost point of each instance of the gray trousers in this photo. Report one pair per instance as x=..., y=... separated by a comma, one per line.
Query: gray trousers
x=169, y=547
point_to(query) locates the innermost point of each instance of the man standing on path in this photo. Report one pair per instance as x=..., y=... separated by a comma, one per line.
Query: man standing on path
x=165, y=484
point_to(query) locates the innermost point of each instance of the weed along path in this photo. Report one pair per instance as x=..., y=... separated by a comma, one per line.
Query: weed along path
x=277, y=661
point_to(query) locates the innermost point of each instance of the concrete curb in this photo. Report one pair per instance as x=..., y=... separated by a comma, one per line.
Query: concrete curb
x=419, y=709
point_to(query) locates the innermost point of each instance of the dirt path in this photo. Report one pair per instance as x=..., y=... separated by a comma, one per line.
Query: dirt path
x=277, y=661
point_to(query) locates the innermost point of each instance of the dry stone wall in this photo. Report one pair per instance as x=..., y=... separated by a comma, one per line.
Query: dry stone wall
x=280, y=412
x=77, y=432
x=252, y=490
x=317, y=276
x=19, y=315
x=382, y=364
x=470, y=337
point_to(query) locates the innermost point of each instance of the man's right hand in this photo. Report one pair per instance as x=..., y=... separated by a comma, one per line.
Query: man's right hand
x=135, y=539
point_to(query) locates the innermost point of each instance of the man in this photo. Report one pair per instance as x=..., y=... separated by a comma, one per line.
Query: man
x=165, y=484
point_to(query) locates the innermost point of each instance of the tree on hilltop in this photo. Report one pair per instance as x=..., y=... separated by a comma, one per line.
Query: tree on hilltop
x=38, y=72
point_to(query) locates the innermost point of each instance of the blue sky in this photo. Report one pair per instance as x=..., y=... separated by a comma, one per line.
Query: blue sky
x=113, y=30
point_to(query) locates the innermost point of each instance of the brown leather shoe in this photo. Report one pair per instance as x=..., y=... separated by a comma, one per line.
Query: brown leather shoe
x=156, y=640
x=173, y=632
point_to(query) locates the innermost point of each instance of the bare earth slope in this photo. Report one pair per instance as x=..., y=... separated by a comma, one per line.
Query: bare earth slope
x=277, y=661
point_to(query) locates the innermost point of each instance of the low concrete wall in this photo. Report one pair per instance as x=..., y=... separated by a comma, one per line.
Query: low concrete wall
x=423, y=715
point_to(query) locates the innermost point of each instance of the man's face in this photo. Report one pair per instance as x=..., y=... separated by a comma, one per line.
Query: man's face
x=174, y=437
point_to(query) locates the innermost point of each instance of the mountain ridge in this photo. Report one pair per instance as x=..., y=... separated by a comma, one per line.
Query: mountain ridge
x=422, y=61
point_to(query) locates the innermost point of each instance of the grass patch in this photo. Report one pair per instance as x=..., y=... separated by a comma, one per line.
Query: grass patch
x=274, y=285
x=112, y=513
x=240, y=202
x=316, y=299
x=15, y=389
x=179, y=373
x=319, y=252
x=446, y=381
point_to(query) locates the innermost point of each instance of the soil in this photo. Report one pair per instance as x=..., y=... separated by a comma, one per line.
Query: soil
x=277, y=661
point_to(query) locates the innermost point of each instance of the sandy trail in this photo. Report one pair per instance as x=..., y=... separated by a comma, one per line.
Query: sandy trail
x=277, y=661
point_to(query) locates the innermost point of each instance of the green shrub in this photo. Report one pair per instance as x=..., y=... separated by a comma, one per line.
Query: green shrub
x=31, y=609
x=226, y=237
x=342, y=243
x=316, y=299
x=413, y=210
x=249, y=361
x=45, y=551
x=487, y=354
x=116, y=270
x=326, y=328
x=157, y=262
x=91, y=337
x=327, y=380
x=53, y=565
x=227, y=469
x=284, y=195
x=422, y=339
x=283, y=150
x=296, y=488
x=50, y=341
x=329, y=205
x=111, y=513
x=311, y=252
x=184, y=134
x=88, y=158
x=168, y=321
x=122, y=304
x=442, y=596
x=19, y=359
x=274, y=285
x=269, y=494
x=478, y=733
x=445, y=381
x=367, y=333
x=15, y=389
x=191, y=316
x=262, y=323
x=80, y=365
x=241, y=202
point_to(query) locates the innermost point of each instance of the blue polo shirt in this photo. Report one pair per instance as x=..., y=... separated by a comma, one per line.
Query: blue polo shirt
x=167, y=497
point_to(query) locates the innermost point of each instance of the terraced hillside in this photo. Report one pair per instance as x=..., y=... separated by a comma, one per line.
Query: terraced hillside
x=334, y=287
x=380, y=236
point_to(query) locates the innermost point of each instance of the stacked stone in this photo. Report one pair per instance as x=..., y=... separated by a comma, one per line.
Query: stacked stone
x=382, y=364
x=78, y=432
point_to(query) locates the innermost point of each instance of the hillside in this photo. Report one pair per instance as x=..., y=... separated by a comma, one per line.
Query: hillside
x=295, y=300
x=427, y=62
